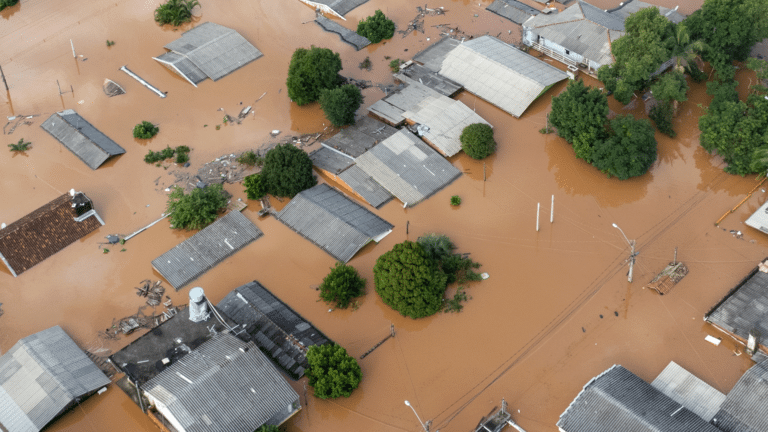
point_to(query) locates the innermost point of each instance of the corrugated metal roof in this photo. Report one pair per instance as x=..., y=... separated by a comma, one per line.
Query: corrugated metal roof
x=500, y=73
x=204, y=250
x=432, y=56
x=759, y=219
x=213, y=49
x=391, y=107
x=331, y=160
x=225, y=385
x=81, y=138
x=273, y=326
x=181, y=64
x=416, y=73
x=744, y=409
x=40, y=376
x=332, y=221
x=359, y=137
x=601, y=17
x=341, y=7
x=365, y=186
x=629, y=7
x=446, y=119
x=347, y=35
x=513, y=10
x=407, y=168
x=617, y=400
x=745, y=308
x=688, y=390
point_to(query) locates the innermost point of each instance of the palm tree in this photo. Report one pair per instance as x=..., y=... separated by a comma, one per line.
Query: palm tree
x=21, y=146
x=684, y=49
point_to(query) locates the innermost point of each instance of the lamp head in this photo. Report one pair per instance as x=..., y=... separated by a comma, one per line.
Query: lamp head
x=407, y=403
x=615, y=226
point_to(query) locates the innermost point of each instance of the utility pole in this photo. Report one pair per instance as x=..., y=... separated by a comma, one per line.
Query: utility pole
x=632, y=255
x=4, y=82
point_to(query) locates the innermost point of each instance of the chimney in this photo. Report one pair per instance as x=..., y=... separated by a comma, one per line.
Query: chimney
x=198, y=306
x=754, y=336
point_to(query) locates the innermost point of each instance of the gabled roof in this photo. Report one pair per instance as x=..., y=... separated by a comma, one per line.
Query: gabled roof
x=744, y=308
x=759, y=219
x=689, y=390
x=618, y=400
x=225, y=385
x=365, y=186
x=208, y=51
x=392, y=106
x=432, y=56
x=81, y=138
x=333, y=222
x=416, y=73
x=361, y=136
x=407, y=168
x=40, y=377
x=744, y=409
x=500, y=73
x=47, y=230
x=629, y=7
x=347, y=35
x=273, y=326
x=337, y=7
x=204, y=250
x=513, y=10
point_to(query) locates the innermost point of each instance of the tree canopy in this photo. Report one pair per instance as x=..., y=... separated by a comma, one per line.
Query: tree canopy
x=340, y=104
x=311, y=71
x=629, y=150
x=268, y=428
x=579, y=113
x=175, y=12
x=255, y=186
x=197, y=209
x=341, y=285
x=441, y=250
x=376, y=27
x=287, y=171
x=408, y=281
x=145, y=130
x=477, y=141
x=671, y=86
x=7, y=3
x=332, y=372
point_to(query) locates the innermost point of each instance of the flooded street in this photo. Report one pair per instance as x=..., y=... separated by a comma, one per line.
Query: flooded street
x=556, y=311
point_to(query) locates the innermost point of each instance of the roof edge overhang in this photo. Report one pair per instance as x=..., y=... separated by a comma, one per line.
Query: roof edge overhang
x=172, y=66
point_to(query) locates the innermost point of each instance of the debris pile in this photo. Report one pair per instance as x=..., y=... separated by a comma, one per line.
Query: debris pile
x=17, y=121
x=153, y=293
x=417, y=24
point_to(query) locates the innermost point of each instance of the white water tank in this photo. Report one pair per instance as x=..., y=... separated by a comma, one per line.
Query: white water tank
x=198, y=306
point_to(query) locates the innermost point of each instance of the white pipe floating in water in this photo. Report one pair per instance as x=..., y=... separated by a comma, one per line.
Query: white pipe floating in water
x=144, y=83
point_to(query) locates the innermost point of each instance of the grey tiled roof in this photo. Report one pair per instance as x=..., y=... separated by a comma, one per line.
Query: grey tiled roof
x=432, y=56
x=332, y=221
x=361, y=136
x=500, y=73
x=225, y=385
x=744, y=409
x=407, y=168
x=744, y=308
x=41, y=376
x=272, y=326
x=204, y=250
x=629, y=7
x=331, y=160
x=688, y=390
x=365, y=186
x=81, y=138
x=513, y=10
x=347, y=35
x=213, y=49
x=341, y=7
x=617, y=400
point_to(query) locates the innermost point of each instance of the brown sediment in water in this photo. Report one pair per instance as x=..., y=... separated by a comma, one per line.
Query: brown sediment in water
x=531, y=333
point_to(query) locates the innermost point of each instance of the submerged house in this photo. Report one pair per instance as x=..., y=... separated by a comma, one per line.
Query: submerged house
x=43, y=376
x=513, y=10
x=744, y=409
x=196, y=255
x=759, y=219
x=333, y=222
x=47, y=230
x=337, y=8
x=198, y=377
x=279, y=331
x=208, y=51
x=81, y=138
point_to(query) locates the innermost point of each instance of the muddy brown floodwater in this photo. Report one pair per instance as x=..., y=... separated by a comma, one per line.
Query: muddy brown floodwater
x=556, y=311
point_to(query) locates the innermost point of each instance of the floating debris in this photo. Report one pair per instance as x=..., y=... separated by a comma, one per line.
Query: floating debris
x=112, y=88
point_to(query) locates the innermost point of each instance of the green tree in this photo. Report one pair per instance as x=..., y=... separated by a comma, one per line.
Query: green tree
x=268, y=428
x=477, y=141
x=671, y=86
x=376, y=27
x=729, y=28
x=662, y=114
x=579, y=113
x=20, y=146
x=255, y=186
x=145, y=130
x=409, y=281
x=197, y=209
x=175, y=12
x=341, y=285
x=340, y=104
x=287, y=171
x=7, y=3
x=311, y=71
x=332, y=372
x=629, y=150
x=441, y=251
x=684, y=49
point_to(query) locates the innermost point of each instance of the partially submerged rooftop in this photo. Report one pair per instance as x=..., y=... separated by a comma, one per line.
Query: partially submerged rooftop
x=347, y=35
x=629, y=7
x=279, y=331
x=81, y=138
x=432, y=56
x=47, y=230
x=744, y=409
x=208, y=51
x=338, y=8
x=689, y=391
x=513, y=10
x=206, y=249
x=365, y=186
x=360, y=137
x=759, y=219
x=333, y=222
x=412, y=72
x=390, y=109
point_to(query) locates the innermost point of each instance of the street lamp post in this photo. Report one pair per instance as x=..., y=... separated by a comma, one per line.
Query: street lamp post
x=632, y=253
x=423, y=425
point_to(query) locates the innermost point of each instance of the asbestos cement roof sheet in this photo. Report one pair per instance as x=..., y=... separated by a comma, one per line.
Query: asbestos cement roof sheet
x=629, y=7
x=432, y=56
x=330, y=160
x=445, y=119
x=41, y=376
x=181, y=64
x=689, y=390
x=416, y=73
x=513, y=10
x=333, y=222
x=744, y=308
x=744, y=409
x=618, y=400
x=347, y=35
x=81, y=138
x=407, y=168
x=500, y=73
x=204, y=250
x=359, y=137
x=365, y=186
x=225, y=385
x=392, y=106
x=759, y=219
